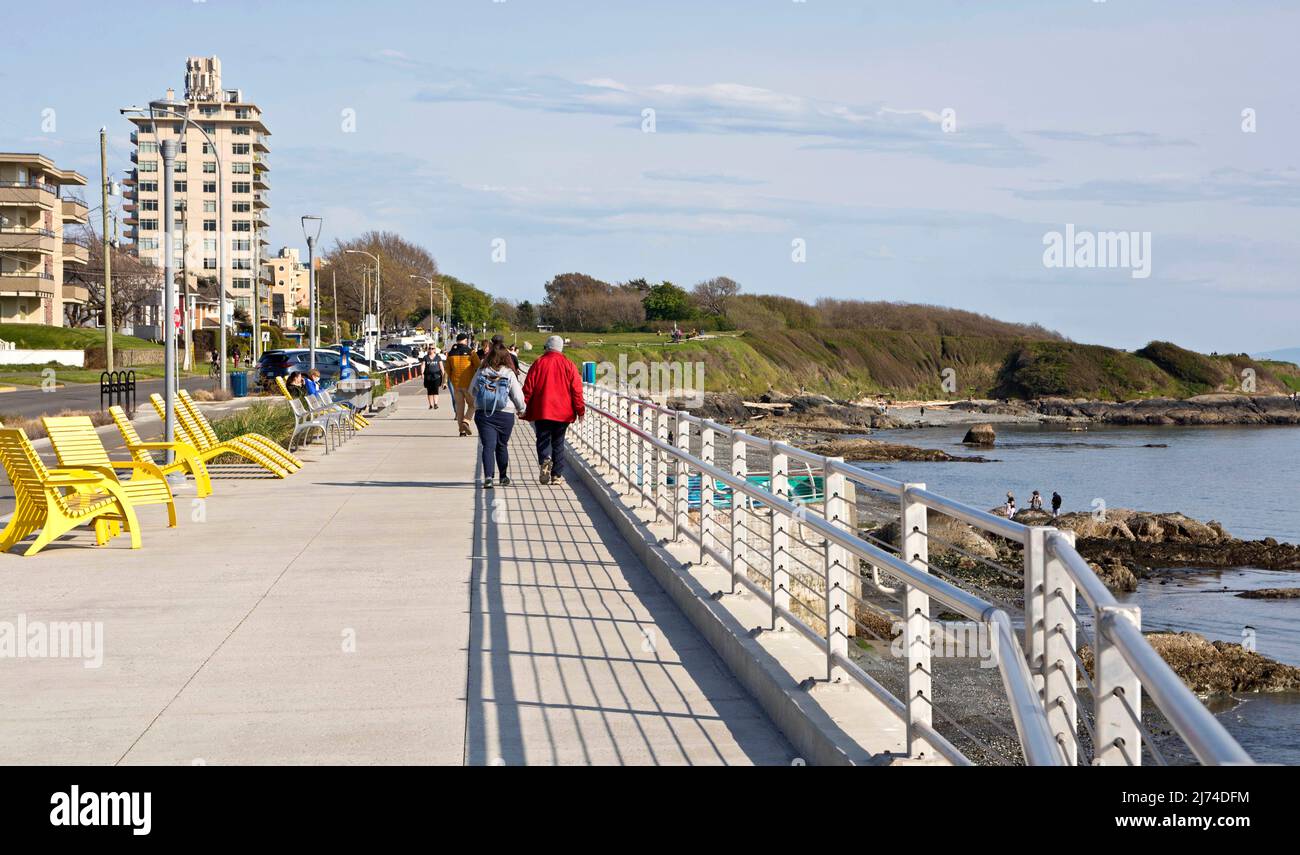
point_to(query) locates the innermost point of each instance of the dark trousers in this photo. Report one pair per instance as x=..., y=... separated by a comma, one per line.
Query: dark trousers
x=550, y=443
x=494, y=441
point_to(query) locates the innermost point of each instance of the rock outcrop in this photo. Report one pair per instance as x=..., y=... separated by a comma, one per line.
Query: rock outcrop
x=1216, y=667
x=1144, y=542
x=981, y=434
x=858, y=449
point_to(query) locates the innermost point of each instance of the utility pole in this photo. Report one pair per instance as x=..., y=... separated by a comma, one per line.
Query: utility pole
x=108, y=257
x=334, y=274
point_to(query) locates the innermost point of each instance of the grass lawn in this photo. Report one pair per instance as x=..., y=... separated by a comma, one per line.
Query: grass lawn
x=41, y=337
x=33, y=375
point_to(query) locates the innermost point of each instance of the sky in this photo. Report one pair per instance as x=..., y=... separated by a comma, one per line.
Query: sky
x=919, y=151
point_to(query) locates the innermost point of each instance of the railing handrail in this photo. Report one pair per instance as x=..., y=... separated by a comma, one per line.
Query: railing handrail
x=1209, y=741
x=1030, y=719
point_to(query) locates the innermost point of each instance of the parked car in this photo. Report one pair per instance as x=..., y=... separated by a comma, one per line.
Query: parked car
x=281, y=363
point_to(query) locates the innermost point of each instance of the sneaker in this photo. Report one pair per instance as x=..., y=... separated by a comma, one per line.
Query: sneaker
x=505, y=482
x=487, y=483
x=546, y=471
x=430, y=406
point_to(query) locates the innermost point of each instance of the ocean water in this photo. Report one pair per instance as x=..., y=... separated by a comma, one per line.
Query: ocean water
x=1246, y=477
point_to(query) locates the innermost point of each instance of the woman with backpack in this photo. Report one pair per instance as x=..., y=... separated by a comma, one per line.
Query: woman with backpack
x=433, y=376
x=498, y=397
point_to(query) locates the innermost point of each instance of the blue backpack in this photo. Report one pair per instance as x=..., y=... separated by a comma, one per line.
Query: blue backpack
x=491, y=392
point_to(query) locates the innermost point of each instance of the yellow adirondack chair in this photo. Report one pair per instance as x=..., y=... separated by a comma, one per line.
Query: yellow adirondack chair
x=207, y=450
x=78, y=446
x=42, y=503
x=199, y=422
x=187, y=459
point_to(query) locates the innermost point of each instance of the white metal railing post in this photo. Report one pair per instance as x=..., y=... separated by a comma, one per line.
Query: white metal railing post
x=706, y=491
x=1035, y=571
x=661, y=461
x=1119, y=694
x=1060, y=673
x=624, y=442
x=917, y=639
x=779, y=554
x=739, y=519
x=682, y=489
x=838, y=561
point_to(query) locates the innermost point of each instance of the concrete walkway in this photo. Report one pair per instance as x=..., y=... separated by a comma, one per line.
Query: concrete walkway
x=372, y=608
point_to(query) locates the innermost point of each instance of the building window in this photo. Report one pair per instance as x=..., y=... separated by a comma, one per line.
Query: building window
x=209, y=206
x=241, y=131
x=241, y=263
x=209, y=263
x=241, y=168
x=241, y=187
x=209, y=186
x=240, y=148
x=243, y=113
x=241, y=226
x=242, y=282
x=241, y=207
x=209, y=225
x=180, y=167
x=148, y=186
x=149, y=166
x=209, y=245
x=181, y=186
x=148, y=148
x=148, y=243
x=148, y=225
x=208, y=127
x=209, y=167
x=183, y=146
x=148, y=204
x=241, y=245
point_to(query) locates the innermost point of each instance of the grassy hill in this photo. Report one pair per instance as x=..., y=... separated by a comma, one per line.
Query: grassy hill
x=40, y=337
x=852, y=363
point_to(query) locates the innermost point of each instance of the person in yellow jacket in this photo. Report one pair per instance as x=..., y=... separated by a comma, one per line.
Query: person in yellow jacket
x=462, y=363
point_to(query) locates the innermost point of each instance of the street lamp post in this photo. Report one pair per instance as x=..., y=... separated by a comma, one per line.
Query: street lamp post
x=311, y=286
x=446, y=308
x=169, y=107
x=370, y=350
x=168, y=149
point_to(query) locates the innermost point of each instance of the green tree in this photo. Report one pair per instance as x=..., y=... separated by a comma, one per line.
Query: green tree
x=667, y=302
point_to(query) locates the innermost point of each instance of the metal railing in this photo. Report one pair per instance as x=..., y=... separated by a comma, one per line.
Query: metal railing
x=798, y=551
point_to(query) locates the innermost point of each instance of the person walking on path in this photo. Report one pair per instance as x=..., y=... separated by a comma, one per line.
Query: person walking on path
x=462, y=365
x=497, y=398
x=433, y=376
x=553, y=392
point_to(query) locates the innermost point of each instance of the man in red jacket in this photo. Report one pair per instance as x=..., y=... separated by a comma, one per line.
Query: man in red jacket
x=553, y=394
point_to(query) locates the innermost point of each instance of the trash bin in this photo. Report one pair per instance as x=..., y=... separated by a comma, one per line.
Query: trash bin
x=588, y=372
x=239, y=383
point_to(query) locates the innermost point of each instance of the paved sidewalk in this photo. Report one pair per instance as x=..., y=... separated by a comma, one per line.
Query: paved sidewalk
x=371, y=608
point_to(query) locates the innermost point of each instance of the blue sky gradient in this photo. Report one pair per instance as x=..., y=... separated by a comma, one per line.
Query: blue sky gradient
x=774, y=120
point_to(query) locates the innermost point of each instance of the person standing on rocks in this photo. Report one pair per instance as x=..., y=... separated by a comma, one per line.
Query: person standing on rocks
x=1056, y=504
x=1011, y=505
x=1036, y=501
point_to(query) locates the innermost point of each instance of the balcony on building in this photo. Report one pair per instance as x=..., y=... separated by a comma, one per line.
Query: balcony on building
x=75, y=253
x=74, y=210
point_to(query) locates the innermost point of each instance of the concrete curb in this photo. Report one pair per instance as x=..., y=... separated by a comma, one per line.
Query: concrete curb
x=804, y=722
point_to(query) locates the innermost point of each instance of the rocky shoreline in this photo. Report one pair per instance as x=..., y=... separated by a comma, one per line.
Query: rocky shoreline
x=1122, y=547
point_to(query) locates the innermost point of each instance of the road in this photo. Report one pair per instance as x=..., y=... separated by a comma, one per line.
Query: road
x=34, y=403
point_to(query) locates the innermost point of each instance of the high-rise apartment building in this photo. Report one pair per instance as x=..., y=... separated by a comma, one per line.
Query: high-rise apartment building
x=234, y=162
x=34, y=250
